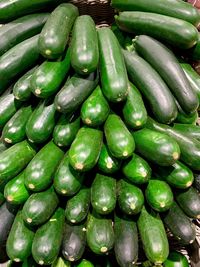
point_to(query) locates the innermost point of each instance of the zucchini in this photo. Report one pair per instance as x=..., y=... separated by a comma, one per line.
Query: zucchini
x=157, y=147
x=190, y=130
x=48, y=239
x=39, y=207
x=15, y=191
x=40, y=171
x=134, y=111
x=74, y=242
x=84, y=57
x=114, y=78
x=119, y=140
x=20, y=29
x=60, y=262
x=100, y=233
x=17, y=60
x=55, y=33
x=177, y=259
x=173, y=31
x=156, y=54
x=85, y=149
x=66, y=129
x=189, y=201
x=187, y=118
x=85, y=263
x=78, y=206
x=14, y=130
x=67, y=181
x=14, y=160
x=95, y=109
x=42, y=121
x=19, y=242
x=103, y=194
x=152, y=86
x=180, y=225
x=130, y=198
x=126, y=241
x=194, y=52
x=3, y=146
x=49, y=76
x=153, y=236
x=137, y=170
x=107, y=163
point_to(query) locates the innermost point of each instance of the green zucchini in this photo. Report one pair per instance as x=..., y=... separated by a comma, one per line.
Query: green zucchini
x=176, y=259
x=67, y=181
x=156, y=147
x=187, y=118
x=14, y=130
x=114, y=78
x=152, y=86
x=153, y=236
x=156, y=54
x=60, y=262
x=190, y=130
x=85, y=263
x=194, y=52
x=18, y=245
x=17, y=60
x=126, y=241
x=177, y=9
x=103, y=194
x=39, y=207
x=173, y=31
x=14, y=160
x=66, y=129
x=41, y=123
x=134, y=111
x=85, y=149
x=189, y=201
x=119, y=140
x=107, y=163
x=130, y=198
x=84, y=57
x=48, y=239
x=180, y=225
x=15, y=191
x=55, y=33
x=137, y=170
x=78, y=206
x=75, y=92
x=48, y=77
x=95, y=109
x=100, y=233
x=74, y=242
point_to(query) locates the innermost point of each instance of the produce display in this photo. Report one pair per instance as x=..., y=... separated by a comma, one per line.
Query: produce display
x=100, y=141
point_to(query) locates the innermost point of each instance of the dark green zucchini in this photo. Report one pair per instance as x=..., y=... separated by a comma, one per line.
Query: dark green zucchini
x=176, y=259
x=40, y=171
x=84, y=57
x=74, y=242
x=114, y=78
x=95, y=109
x=194, y=52
x=130, y=198
x=173, y=31
x=137, y=170
x=85, y=149
x=78, y=206
x=55, y=33
x=19, y=243
x=188, y=118
x=190, y=130
x=180, y=225
x=60, y=262
x=152, y=86
x=39, y=207
x=48, y=77
x=48, y=239
x=75, y=92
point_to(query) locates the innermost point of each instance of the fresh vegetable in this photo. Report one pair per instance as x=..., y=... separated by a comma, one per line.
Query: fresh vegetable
x=187, y=118
x=60, y=262
x=85, y=263
x=190, y=130
x=177, y=259
x=194, y=52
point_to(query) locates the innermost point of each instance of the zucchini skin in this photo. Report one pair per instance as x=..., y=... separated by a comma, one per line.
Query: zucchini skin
x=188, y=119
x=194, y=52
x=190, y=130
x=48, y=239
x=84, y=57
x=85, y=263
x=60, y=262
x=173, y=31
x=21, y=29
x=157, y=54
x=176, y=258
x=152, y=87
x=55, y=33
x=114, y=78
x=17, y=60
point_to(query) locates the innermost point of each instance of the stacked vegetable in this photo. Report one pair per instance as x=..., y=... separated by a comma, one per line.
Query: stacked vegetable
x=100, y=145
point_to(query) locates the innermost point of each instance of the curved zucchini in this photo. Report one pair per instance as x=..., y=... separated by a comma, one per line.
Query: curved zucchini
x=177, y=259
x=190, y=130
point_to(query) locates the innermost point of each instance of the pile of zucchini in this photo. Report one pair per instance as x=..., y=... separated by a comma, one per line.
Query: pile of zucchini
x=100, y=146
